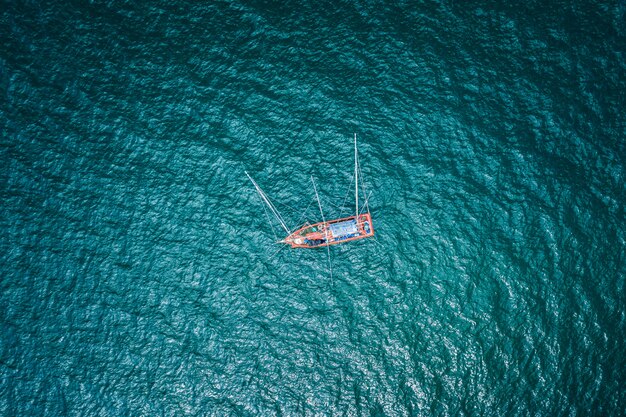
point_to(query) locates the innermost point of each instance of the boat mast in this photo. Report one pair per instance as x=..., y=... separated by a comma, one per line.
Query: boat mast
x=356, y=179
x=269, y=204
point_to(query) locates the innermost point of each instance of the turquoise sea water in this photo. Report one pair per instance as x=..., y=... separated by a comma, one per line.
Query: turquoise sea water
x=139, y=276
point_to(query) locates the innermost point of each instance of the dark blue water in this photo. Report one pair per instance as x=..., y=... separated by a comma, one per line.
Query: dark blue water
x=139, y=275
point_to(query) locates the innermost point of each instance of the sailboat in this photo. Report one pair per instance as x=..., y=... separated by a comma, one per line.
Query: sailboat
x=331, y=232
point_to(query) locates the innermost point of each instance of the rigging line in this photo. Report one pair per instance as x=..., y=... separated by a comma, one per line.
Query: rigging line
x=334, y=205
x=330, y=264
x=318, y=200
x=362, y=182
x=356, y=178
x=267, y=216
x=275, y=210
x=343, y=204
x=304, y=212
x=293, y=210
x=269, y=204
x=276, y=253
x=367, y=200
x=376, y=240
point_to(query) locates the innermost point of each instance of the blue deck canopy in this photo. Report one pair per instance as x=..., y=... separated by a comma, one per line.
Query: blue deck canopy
x=343, y=228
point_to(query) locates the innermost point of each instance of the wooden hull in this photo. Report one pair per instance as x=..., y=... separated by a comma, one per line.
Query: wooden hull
x=332, y=232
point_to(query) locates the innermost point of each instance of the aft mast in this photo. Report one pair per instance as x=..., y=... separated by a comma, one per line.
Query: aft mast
x=356, y=179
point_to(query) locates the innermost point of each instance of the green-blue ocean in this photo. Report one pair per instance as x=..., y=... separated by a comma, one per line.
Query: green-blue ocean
x=139, y=271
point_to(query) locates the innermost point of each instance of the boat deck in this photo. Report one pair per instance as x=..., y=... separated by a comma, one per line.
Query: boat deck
x=331, y=232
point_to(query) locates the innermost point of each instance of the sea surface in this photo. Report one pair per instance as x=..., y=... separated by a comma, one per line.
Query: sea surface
x=140, y=276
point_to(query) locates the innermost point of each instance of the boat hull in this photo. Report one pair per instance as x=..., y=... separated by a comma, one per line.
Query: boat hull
x=332, y=232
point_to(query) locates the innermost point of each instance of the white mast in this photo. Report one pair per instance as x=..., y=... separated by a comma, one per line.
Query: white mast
x=356, y=180
x=269, y=204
